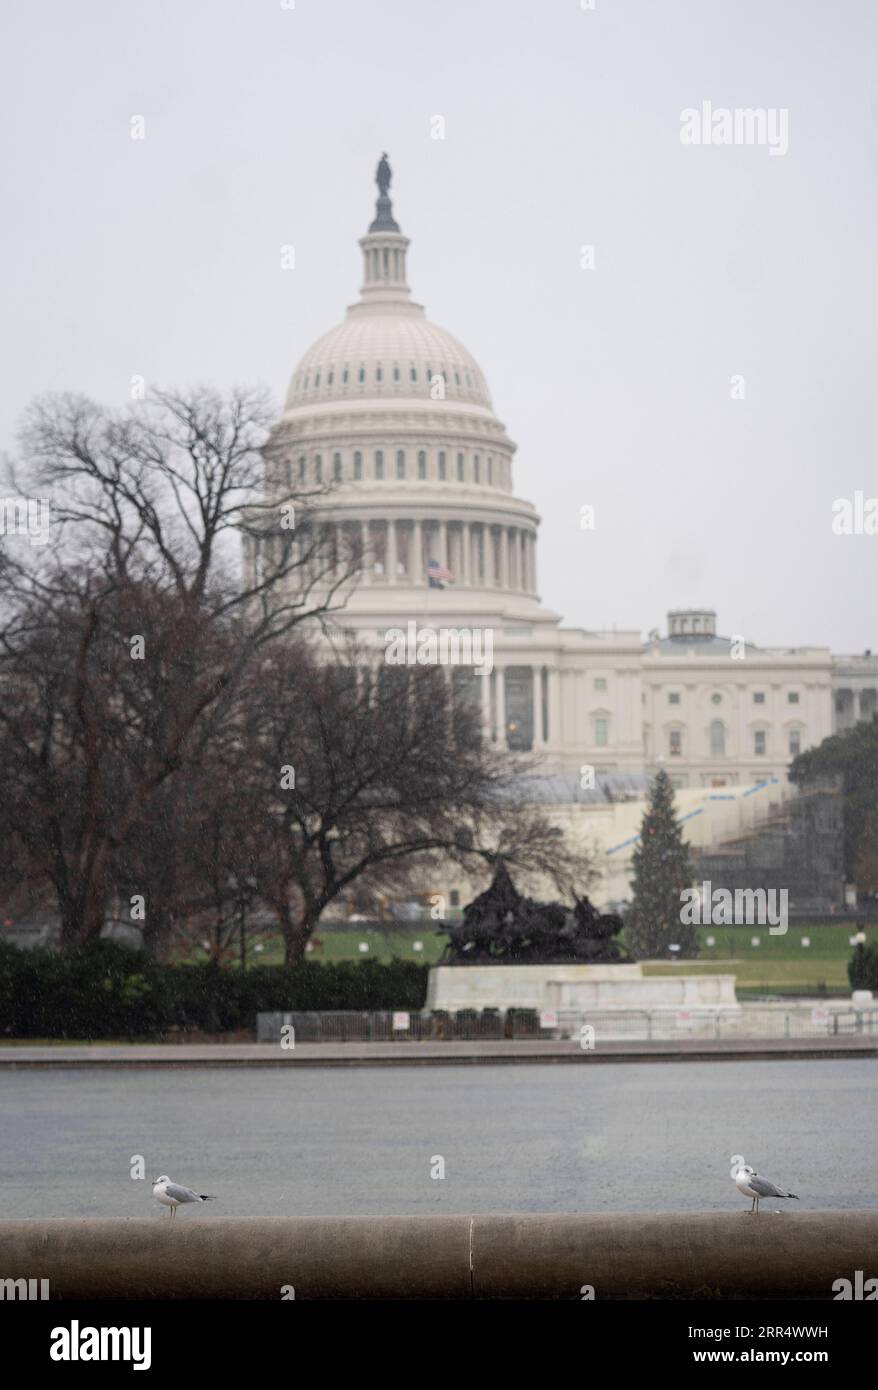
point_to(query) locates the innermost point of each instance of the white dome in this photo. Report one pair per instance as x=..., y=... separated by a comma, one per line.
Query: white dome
x=386, y=349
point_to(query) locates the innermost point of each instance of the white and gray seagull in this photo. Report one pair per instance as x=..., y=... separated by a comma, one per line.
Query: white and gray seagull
x=750, y=1184
x=172, y=1195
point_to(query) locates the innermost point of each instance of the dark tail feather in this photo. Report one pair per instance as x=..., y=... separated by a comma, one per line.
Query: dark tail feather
x=206, y=1197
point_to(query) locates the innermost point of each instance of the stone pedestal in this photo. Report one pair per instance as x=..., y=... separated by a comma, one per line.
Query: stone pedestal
x=574, y=987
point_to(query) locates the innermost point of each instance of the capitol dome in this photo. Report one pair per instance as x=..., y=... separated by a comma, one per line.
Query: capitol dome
x=385, y=350
x=388, y=428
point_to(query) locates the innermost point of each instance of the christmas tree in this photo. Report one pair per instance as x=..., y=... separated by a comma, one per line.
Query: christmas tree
x=661, y=872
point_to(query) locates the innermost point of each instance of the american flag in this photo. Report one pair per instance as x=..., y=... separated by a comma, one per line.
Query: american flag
x=438, y=575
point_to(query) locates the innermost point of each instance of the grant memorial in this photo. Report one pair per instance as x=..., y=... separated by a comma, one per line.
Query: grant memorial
x=509, y=952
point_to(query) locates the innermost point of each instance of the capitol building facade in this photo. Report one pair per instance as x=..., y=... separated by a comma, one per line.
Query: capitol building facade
x=392, y=417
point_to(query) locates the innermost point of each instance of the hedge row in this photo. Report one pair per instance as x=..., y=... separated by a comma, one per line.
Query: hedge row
x=105, y=990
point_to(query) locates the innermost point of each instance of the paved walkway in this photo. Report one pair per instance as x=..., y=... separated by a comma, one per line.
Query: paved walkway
x=428, y=1053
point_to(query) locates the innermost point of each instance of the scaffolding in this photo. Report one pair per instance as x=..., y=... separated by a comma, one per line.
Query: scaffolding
x=797, y=845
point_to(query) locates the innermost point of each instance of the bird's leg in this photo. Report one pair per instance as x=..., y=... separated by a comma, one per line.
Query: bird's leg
x=753, y=1206
x=757, y=1206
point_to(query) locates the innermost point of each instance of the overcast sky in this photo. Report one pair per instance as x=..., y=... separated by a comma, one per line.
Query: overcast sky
x=263, y=125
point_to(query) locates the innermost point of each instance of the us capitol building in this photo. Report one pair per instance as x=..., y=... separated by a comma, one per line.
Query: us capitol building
x=394, y=416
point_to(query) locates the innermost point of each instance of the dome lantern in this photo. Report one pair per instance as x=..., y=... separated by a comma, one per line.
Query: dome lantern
x=384, y=249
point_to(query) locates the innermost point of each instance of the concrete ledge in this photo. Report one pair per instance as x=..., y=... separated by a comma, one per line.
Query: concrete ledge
x=701, y=1255
x=457, y=1052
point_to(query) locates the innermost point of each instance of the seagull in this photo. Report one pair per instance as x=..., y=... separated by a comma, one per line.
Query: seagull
x=171, y=1194
x=749, y=1183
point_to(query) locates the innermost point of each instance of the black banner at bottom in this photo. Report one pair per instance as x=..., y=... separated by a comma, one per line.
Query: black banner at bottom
x=209, y=1339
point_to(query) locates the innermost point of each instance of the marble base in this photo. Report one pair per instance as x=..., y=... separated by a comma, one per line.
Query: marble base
x=575, y=987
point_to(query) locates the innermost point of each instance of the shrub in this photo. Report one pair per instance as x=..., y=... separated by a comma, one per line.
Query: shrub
x=106, y=990
x=863, y=967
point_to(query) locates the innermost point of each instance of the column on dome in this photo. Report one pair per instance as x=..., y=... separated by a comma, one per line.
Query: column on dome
x=539, y=741
x=366, y=575
x=403, y=551
x=391, y=552
x=465, y=555
x=416, y=559
x=522, y=559
x=504, y=557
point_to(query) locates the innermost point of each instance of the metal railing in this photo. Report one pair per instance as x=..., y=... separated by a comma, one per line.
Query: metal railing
x=748, y=1021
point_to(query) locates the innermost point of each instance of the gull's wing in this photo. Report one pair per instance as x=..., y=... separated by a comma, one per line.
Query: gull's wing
x=181, y=1194
x=765, y=1188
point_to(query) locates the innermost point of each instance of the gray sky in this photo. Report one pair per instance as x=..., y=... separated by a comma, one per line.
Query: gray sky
x=263, y=125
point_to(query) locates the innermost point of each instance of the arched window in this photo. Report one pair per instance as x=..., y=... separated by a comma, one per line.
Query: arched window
x=442, y=473
x=344, y=377
x=379, y=464
x=413, y=373
x=379, y=375
x=460, y=468
x=336, y=467
x=317, y=379
x=330, y=379
x=476, y=468
x=400, y=464
x=422, y=463
x=717, y=739
x=318, y=469
x=490, y=471
x=358, y=464
x=396, y=374
x=302, y=468
x=362, y=374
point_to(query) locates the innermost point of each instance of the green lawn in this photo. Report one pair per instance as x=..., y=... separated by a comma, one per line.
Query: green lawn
x=778, y=963
x=345, y=945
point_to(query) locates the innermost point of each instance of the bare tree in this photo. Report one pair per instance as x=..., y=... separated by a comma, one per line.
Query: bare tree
x=125, y=644
x=359, y=772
